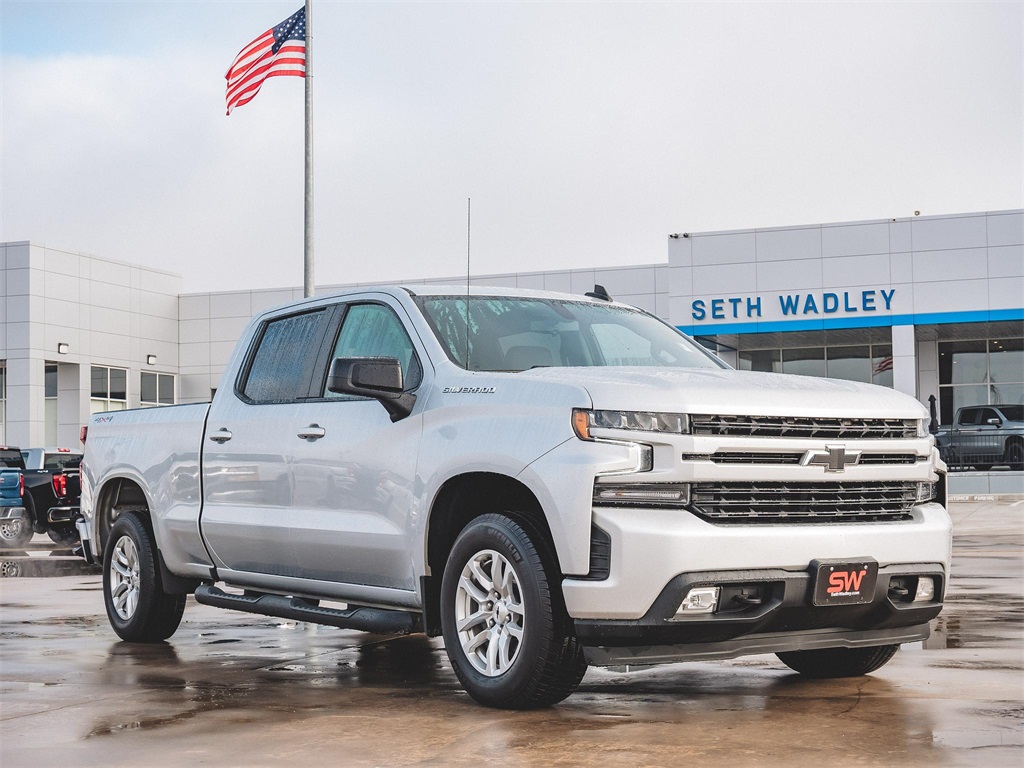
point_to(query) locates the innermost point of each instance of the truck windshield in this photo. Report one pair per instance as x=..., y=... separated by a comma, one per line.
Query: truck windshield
x=516, y=334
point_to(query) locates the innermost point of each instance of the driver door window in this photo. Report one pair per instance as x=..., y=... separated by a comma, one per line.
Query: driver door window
x=373, y=330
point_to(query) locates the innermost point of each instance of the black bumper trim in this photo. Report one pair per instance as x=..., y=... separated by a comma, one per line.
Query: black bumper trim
x=752, y=644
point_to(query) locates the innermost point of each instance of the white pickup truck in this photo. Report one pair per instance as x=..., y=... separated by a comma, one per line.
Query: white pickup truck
x=545, y=480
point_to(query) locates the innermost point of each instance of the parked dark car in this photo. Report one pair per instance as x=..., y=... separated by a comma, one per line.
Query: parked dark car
x=984, y=436
x=50, y=499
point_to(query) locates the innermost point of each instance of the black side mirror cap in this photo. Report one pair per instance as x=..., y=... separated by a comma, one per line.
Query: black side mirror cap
x=376, y=377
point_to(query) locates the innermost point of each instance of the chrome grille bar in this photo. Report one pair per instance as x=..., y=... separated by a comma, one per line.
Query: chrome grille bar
x=786, y=426
x=803, y=502
x=793, y=457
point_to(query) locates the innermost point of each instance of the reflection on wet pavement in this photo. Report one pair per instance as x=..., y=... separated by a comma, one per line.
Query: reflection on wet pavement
x=36, y=564
x=235, y=689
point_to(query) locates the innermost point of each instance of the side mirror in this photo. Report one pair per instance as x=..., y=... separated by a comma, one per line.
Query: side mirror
x=995, y=422
x=376, y=377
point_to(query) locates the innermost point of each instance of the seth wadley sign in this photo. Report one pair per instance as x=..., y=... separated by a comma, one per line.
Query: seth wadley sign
x=795, y=304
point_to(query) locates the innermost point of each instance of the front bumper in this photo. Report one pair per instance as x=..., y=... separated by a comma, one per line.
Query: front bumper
x=652, y=547
x=783, y=618
x=12, y=513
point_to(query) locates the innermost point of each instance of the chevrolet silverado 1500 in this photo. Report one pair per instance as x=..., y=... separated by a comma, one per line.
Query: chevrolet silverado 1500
x=545, y=480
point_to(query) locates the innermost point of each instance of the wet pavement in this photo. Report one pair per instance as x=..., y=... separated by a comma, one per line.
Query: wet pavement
x=232, y=689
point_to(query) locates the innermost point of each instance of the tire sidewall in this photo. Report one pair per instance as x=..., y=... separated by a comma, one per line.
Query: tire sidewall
x=495, y=532
x=149, y=588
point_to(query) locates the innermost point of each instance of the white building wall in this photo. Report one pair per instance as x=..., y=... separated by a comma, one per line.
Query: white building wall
x=939, y=264
x=107, y=313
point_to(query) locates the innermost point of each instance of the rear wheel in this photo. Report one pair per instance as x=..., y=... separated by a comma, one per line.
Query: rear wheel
x=838, y=662
x=63, y=535
x=137, y=607
x=505, y=628
x=15, y=534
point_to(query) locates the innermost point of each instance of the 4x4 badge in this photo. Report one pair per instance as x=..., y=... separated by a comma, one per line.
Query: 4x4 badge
x=835, y=458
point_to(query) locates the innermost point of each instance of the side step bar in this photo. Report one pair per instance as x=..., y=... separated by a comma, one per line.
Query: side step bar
x=378, y=620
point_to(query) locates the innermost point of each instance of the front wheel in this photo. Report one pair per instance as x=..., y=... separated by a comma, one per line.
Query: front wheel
x=838, y=662
x=137, y=607
x=505, y=628
x=1014, y=456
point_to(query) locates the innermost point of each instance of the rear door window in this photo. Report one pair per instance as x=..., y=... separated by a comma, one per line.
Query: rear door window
x=282, y=365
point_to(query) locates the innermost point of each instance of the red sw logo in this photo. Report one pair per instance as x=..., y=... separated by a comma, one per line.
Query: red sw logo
x=845, y=581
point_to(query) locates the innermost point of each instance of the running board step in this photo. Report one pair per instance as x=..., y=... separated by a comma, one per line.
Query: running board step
x=378, y=620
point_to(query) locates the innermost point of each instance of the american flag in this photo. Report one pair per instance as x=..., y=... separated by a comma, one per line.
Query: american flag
x=883, y=365
x=277, y=52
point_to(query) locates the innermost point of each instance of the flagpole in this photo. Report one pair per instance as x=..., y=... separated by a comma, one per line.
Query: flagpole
x=307, y=260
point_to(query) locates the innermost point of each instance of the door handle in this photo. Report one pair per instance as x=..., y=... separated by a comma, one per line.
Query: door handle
x=312, y=432
x=221, y=436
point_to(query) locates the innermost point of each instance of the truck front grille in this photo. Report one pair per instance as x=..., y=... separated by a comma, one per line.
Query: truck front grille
x=743, y=457
x=786, y=426
x=803, y=502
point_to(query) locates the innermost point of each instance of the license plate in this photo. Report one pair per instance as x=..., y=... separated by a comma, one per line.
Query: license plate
x=844, y=583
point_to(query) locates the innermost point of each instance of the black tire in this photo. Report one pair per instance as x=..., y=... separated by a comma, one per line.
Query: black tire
x=546, y=662
x=1014, y=455
x=138, y=608
x=838, y=662
x=63, y=535
x=15, y=534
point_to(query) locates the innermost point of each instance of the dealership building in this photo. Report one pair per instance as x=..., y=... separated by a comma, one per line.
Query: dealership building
x=928, y=305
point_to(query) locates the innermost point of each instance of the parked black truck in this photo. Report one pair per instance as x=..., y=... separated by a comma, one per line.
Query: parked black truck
x=51, y=492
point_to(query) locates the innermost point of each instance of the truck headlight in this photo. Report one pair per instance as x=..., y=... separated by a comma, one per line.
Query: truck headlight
x=922, y=427
x=633, y=421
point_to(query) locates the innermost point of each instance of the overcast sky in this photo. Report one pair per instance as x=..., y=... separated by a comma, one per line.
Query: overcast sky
x=584, y=132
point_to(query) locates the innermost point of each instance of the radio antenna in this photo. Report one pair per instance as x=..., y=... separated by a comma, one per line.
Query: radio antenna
x=469, y=241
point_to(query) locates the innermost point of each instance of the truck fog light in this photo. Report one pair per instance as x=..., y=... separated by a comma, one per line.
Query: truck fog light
x=698, y=600
x=925, y=589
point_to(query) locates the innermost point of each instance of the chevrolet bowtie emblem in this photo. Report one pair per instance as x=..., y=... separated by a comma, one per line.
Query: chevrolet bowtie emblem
x=835, y=458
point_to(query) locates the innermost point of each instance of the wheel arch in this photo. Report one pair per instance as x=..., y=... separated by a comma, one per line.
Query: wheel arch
x=119, y=495
x=459, y=500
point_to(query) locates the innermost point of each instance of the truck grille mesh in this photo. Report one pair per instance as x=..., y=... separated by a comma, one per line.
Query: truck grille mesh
x=786, y=426
x=803, y=502
x=742, y=457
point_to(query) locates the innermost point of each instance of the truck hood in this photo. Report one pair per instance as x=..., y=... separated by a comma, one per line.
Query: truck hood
x=725, y=391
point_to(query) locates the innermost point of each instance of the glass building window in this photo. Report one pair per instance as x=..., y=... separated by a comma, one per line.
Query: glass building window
x=109, y=389
x=982, y=372
x=809, y=361
x=157, y=389
x=767, y=360
x=869, y=363
x=50, y=404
